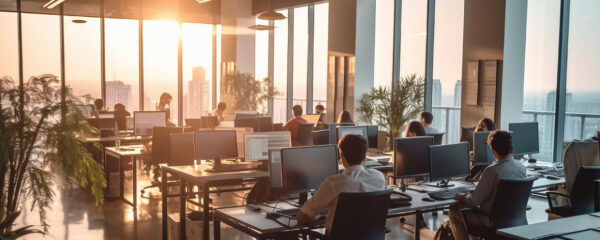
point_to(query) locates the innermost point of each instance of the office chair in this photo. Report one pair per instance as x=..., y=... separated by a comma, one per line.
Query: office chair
x=320, y=137
x=576, y=155
x=508, y=208
x=161, y=152
x=581, y=197
x=304, y=136
x=437, y=138
x=597, y=196
x=358, y=216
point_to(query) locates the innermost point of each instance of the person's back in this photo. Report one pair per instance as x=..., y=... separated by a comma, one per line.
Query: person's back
x=507, y=168
x=294, y=124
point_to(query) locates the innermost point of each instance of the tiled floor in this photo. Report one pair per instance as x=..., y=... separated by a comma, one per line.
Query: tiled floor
x=75, y=215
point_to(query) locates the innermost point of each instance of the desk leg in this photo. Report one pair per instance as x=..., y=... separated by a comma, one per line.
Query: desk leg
x=418, y=220
x=217, y=229
x=134, y=160
x=164, y=195
x=106, y=172
x=205, y=212
x=121, y=178
x=182, y=209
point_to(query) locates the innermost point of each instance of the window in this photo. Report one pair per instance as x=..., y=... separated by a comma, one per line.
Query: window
x=384, y=43
x=9, y=55
x=280, y=69
x=121, y=49
x=197, y=69
x=541, y=59
x=447, y=67
x=40, y=57
x=413, y=38
x=261, y=57
x=321, y=36
x=300, y=60
x=582, y=117
x=82, y=57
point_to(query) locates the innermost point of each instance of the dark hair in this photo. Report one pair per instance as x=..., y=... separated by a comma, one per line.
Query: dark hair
x=501, y=142
x=354, y=148
x=119, y=107
x=99, y=104
x=320, y=107
x=417, y=128
x=165, y=95
x=488, y=123
x=344, y=117
x=222, y=106
x=297, y=110
x=427, y=116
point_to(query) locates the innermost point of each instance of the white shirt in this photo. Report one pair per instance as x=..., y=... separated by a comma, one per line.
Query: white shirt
x=354, y=179
x=430, y=129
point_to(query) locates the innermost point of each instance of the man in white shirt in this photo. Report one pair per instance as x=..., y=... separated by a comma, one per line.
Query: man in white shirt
x=426, y=120
x=506, y=167
x=355, y=178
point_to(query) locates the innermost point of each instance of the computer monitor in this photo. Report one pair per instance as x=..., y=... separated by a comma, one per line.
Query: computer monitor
x=481, y=150
x=360, y=130
x=448, y=161
x=215, y=145
x=466, y=135
x=320, y=137
x=258, y=124
x=304, y=168
x=144, y=121
x=245, y=114
x=106, y=114
x=209, y=122
x=312, y=118
x=333, y=131
x=275, y=168
x=257, y=145
x=373, y=134
x=411, y=156
x=86, y=110
x=129, y=123
x=525, y=138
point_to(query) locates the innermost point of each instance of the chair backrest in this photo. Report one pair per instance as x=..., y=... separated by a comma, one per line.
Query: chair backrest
x=361, y=215
x=161, y=143
x=304, y=136
x=182, y=149
x=582, y=193
x=437, y=138
x=320, y=137
x=508, y=208
x=578, y=154
x=597, y=196
x=193, y=122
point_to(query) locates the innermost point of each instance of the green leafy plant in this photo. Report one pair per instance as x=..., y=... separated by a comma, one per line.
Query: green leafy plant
x=393, y=107
x=41, y=130
x=247, y=93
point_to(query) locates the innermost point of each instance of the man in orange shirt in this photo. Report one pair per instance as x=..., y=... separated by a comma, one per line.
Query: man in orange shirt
x=293, y=124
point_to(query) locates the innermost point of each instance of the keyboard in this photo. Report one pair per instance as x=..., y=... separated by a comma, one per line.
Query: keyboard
x=556, y=173
x=448, y=193
x=370, y=163
x=290, y=212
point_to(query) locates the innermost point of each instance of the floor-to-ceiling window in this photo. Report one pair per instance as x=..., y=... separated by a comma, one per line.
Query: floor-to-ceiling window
x=280, y=69
x=122, y=62
x=413, y=38
x=82, y=57
x=320, y=53
x=40, y=57
x=300, y=56
x=384, y=43
x=197, y=69
x=9, y=55
x=541, y=61
x=261, y=56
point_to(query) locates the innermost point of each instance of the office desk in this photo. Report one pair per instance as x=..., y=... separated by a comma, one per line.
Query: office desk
x=549, y=228
x=124, y=153
x=199, y=176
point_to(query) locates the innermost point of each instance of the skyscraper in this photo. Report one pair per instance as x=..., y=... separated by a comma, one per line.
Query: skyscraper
x=118, y=92
x=453, y=134
x=198, y=93
x=457, y=93
x=436, y=93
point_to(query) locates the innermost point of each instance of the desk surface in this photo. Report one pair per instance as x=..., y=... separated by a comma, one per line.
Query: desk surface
x=199, y=172
x=115, y=138
x=126, y=151
x=554, y=227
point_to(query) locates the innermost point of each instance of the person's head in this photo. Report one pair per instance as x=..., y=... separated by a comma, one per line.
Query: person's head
x=485, y=124
x=344, y=117
x=501, y=144
x=165, y=99
x=297, y=110
x=99, y=104
x=414, y=129
x=120, y=107
x=353, y=149
x=222, y=106
x=319, y=109
x=596, y=136
x=426, y=118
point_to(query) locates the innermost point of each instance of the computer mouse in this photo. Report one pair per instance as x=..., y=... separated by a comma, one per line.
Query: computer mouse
x=532, y=160
x=428, y=199
x=273, y=215
x=253, y=207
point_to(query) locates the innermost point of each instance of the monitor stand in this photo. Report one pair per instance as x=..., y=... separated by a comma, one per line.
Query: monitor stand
x=302, y=198
x=441, y=184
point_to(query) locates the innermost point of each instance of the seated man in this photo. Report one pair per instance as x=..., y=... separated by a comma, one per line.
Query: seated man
x=355, y=178
x=293, y=124
x=426, y=120
x=506, y=167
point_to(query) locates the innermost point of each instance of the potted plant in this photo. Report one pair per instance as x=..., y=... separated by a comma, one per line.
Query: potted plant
x=246, y=93
x=393, y=107
x=40, y=130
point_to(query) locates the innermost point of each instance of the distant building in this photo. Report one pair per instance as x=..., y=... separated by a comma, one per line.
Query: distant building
x=457, y=93
x=198, y=93
x=453, y=134
x=436, y=93
x=118, y=92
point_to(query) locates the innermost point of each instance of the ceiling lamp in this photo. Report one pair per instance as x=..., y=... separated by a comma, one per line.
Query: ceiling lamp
x=271, y=15
x=260, y=27
x=202, y=1
x=78, y=21
x=53, y=3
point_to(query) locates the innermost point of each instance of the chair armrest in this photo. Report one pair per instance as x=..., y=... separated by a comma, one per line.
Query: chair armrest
x=551, y=196
x=471, y=211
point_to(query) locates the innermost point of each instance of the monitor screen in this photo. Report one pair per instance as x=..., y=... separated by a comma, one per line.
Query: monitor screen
x=482, y=152
x=210, y=145
x=373, y=134
x=144, y=121
x=312, y=118
x=129, y=123
x=411, y=156
x=466, y=135
x=333, y=131
x=275, y=167
x=245, y=114
x=257, y=145
x=525, y=137
x=360, y=130
x=86, y=110
x=448, y=161
x=305, y=168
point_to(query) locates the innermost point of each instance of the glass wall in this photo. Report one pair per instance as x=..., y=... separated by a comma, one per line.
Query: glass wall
x=197, y=69
x=582, y=118
x=121, y=49
x=447, y=68
x=300, y=54
x=320, y=54
x=40, y=57
x=82, y=57
x=384, y=43
x=9, y=55
x=413, y=38
x=541, y=59
x=261, y=57
x=280, y=69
